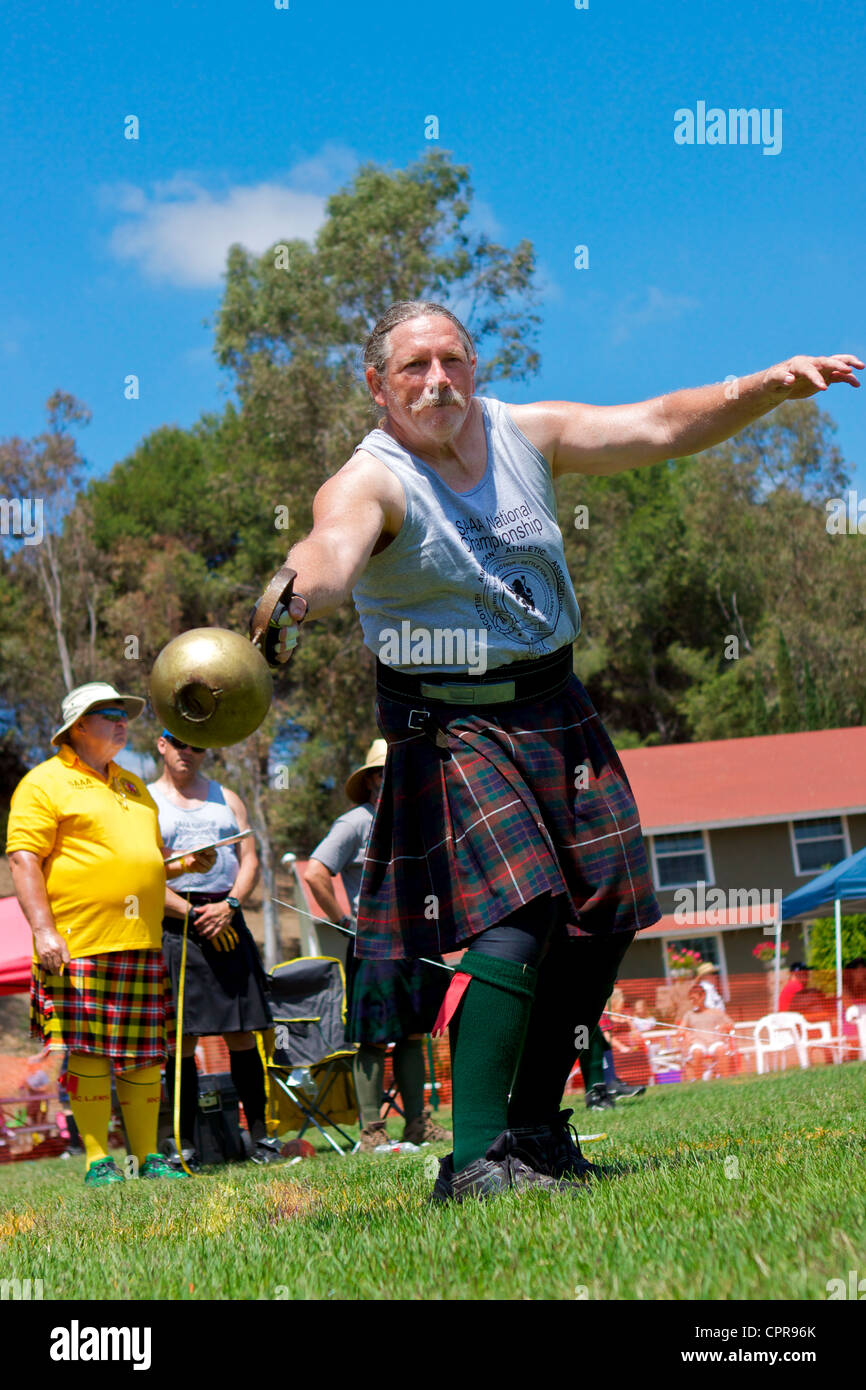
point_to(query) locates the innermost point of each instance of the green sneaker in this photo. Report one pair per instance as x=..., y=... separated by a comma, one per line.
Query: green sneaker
x=155, y=1166
x=102, y=1171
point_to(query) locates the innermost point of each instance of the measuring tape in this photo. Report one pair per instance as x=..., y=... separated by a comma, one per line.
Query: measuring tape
x=178, y=1057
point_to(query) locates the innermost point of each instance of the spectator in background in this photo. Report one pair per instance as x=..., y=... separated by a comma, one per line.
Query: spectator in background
x=798, y=976
x=621, y=1043
x=389, y=1001
x=708, y=979
x=855, y=975
x=88, y=866
x=705, y=1050
x=225, y=987
x=643, y=1020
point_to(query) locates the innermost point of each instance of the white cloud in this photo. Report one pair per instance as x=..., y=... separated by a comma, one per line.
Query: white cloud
x=180, y=231
x=326, y=171
x=655, y=306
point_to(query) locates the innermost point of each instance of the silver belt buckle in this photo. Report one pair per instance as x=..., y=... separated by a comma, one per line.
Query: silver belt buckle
x=422, y=715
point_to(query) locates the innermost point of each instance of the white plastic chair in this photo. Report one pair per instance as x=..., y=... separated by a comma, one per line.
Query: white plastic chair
x=782, y=1031
x=856, y=1013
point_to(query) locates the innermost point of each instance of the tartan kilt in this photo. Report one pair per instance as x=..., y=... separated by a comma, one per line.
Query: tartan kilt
x=116, y=1005
x=224, y=991
x=467, y=834
x=390, y=999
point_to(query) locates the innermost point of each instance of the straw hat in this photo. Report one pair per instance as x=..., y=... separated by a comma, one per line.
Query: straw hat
x=707, y=969
x=376, y=754
x=84, y=698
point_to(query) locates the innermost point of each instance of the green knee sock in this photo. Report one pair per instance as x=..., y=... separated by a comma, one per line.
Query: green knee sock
x=592, y=1059
x=368, y=1070
x=487, y=1036
x=408, y=1058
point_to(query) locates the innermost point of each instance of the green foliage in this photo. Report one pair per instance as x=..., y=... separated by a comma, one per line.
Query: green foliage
x=789, y=701
x=822, y=941
x=711, y=593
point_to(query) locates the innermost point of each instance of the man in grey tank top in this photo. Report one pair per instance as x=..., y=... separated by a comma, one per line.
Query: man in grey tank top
x=506, y=823
x=225, y=989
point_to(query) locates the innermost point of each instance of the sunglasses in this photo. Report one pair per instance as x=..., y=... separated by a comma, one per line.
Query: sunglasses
x=176, y=743
x=113, y=715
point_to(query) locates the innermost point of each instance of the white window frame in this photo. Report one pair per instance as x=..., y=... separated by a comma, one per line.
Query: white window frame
x=717, y=936
x=795, y=859
x=708, y=858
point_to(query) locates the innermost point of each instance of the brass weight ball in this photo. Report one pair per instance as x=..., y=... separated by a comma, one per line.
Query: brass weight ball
x=211, y=687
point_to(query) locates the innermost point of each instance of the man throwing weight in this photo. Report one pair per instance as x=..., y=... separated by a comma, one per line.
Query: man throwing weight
x=505, y=823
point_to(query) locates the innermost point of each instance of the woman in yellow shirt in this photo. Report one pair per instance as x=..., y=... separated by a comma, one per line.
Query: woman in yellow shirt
x=89, y=870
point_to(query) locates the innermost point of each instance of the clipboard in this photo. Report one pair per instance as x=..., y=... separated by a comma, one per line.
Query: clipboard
x=214, y=844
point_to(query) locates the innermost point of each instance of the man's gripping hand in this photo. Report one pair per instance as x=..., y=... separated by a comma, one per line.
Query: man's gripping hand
x=283, y=630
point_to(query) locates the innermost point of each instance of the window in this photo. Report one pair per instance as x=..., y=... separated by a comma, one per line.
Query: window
x=708, y=948
x=681, y=860
x=818, y=844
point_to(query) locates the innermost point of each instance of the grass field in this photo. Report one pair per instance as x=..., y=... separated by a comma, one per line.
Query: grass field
x=749, y=1189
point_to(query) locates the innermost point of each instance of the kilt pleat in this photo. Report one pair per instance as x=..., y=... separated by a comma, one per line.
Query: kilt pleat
x=467, y=834
x=117, y=1005
x=390, y=999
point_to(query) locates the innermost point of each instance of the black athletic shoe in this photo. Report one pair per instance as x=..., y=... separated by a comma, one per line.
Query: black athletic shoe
x=598, y=1097
x=560, y=1150
x=267, y=1151
x=508, y=1164
x=443, y=1188
x=190, y=1157
x=621, y=1091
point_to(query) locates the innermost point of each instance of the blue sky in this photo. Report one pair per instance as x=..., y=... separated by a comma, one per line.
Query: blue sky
x=705, y=260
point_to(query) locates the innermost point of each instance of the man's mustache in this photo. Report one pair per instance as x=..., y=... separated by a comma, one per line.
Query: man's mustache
x=448, y=396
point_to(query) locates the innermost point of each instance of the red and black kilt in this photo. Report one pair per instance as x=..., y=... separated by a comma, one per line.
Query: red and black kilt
x=116, y=1005
x=464, y=836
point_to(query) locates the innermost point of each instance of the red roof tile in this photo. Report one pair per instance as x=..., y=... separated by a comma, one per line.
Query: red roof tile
x=742, y=781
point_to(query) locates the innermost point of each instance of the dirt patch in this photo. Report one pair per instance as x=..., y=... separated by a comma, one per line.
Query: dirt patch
x=289, y=1200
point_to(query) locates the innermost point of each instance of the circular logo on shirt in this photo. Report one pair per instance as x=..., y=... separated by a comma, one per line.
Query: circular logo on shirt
x=522, y=597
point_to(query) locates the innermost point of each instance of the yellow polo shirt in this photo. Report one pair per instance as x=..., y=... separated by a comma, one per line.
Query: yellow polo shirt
x=100, y=847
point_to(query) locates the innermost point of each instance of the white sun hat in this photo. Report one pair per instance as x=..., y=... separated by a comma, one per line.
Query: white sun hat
x=83, y=699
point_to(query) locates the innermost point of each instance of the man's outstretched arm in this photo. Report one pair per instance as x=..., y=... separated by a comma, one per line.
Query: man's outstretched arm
x=577, y=438
x=353, y=511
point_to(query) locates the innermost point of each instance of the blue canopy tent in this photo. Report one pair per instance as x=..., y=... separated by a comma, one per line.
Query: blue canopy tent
x=845, y=882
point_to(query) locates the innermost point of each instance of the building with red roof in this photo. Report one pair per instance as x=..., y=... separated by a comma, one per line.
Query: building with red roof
x=733, y=825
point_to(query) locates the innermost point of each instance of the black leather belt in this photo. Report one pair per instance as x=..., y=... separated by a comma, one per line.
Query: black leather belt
x=515, y=684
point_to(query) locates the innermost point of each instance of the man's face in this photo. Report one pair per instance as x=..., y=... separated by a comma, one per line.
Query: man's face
x=697, y=997
x=98, y=736
x=428, y=381
x=181, y=760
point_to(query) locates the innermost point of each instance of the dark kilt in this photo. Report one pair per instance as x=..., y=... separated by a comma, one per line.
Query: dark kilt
x=390, y=999
x=224, y=991
x=475, y=835
x=116, y=1005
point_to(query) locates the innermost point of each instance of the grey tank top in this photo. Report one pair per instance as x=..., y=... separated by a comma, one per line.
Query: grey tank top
x=184, y=830
x=473, y=580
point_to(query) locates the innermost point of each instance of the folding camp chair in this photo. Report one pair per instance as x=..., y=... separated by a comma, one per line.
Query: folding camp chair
x=310, y=1072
